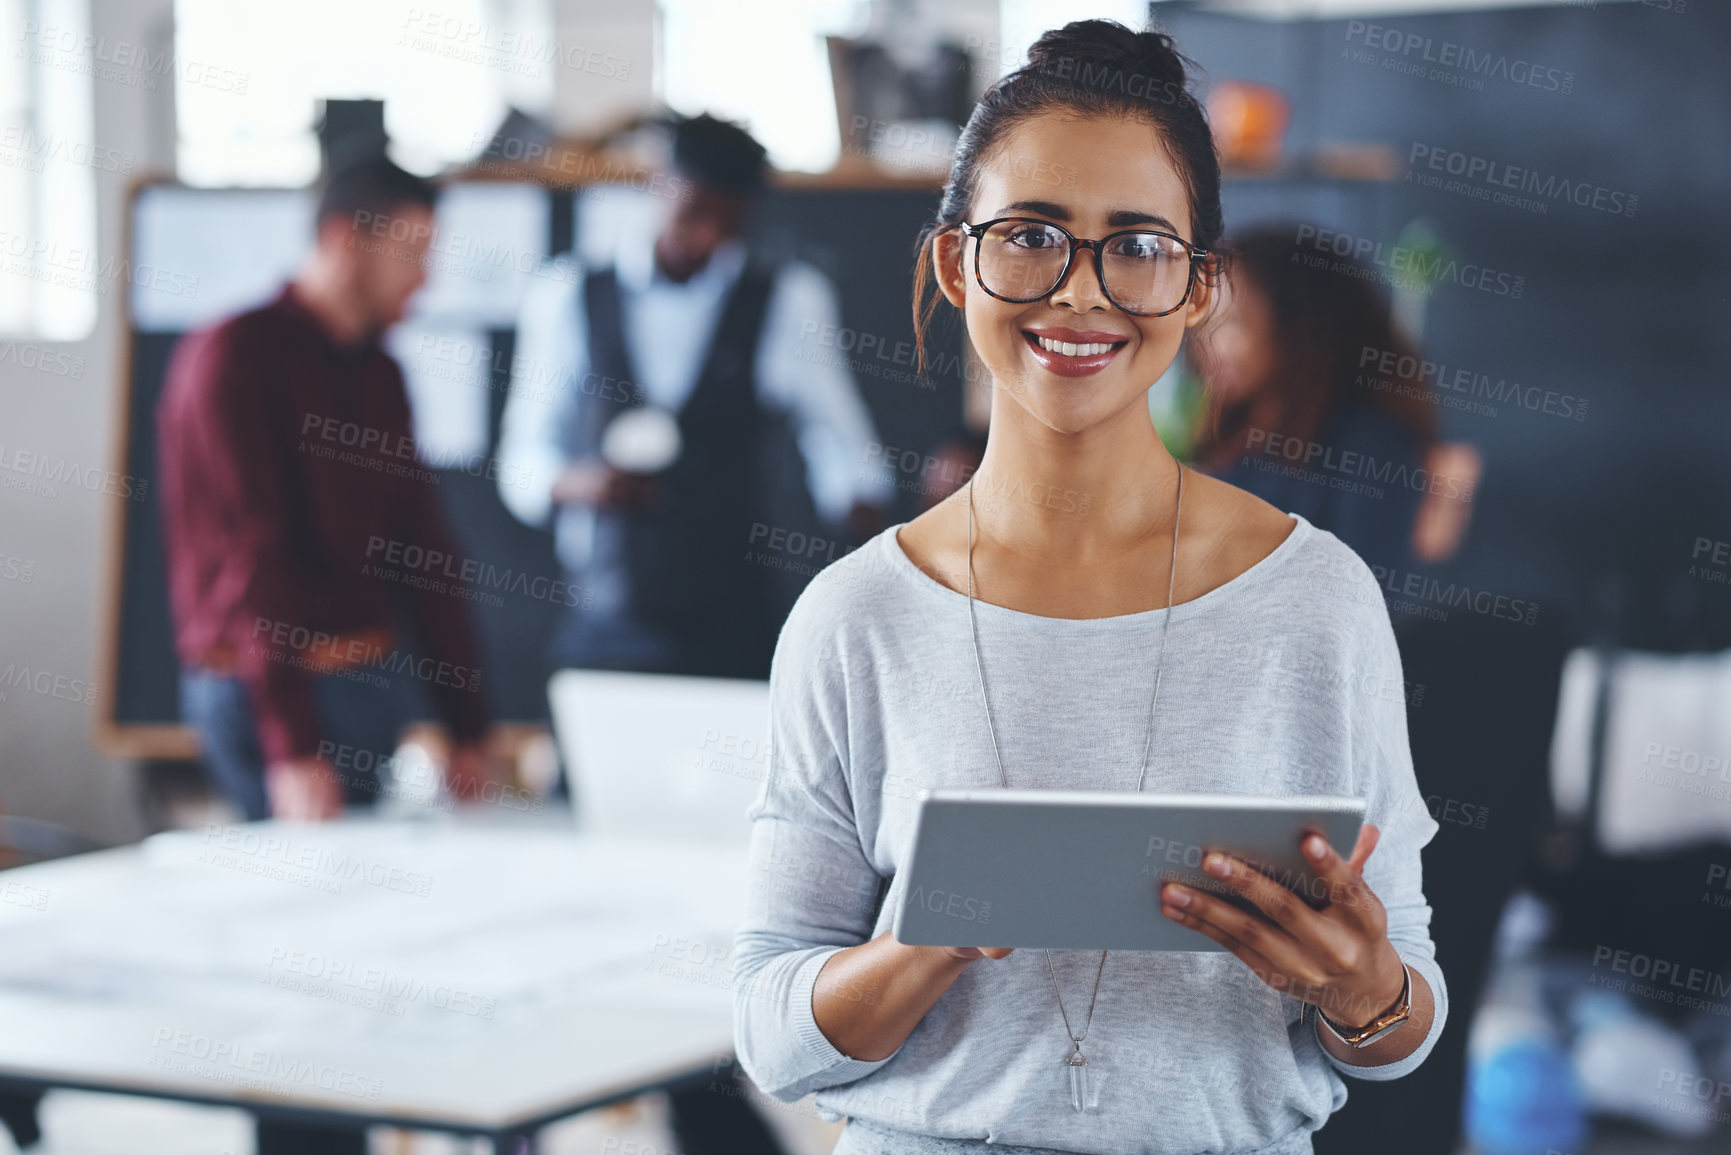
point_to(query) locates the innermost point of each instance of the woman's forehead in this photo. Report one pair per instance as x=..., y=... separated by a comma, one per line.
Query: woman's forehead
x=1098, y=170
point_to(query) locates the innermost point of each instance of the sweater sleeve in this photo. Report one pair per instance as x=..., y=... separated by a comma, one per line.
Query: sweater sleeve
x=812, y=890
x=1383, y=775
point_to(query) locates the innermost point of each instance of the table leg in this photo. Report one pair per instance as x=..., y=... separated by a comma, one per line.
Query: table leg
x=278, y=1138
x=514, y=1143
x=18, y=1113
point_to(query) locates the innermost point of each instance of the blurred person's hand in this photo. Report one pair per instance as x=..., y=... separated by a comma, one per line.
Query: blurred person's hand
x=304, y=790
x=476, y=766
x=1447, y=506
x=604, y=486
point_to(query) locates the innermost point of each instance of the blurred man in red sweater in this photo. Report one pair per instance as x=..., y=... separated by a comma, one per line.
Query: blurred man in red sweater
x=286, y=456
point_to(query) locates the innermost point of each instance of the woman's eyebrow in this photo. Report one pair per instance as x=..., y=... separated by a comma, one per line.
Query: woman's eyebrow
x=1123, y=218
x=1044, y=208
x=1117, y=219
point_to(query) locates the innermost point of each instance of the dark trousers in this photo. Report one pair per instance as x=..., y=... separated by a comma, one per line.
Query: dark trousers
x=735, y=643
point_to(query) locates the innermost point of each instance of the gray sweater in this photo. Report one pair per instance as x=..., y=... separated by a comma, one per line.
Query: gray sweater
x=1285, y=680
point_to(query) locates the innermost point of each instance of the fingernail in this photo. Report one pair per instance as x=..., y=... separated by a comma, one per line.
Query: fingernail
x=1316, y=847
x=1215, y=864
x=1177, y=897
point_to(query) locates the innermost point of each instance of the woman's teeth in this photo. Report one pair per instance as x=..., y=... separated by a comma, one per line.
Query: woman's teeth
x=1070, y=349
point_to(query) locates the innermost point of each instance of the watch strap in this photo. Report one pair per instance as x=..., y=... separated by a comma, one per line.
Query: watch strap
x=1383, y=1024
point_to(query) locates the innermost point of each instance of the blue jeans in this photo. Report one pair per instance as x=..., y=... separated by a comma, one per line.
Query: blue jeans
x=361, y=720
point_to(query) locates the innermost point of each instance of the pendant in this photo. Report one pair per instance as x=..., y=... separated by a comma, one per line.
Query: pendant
x=1084, y=1085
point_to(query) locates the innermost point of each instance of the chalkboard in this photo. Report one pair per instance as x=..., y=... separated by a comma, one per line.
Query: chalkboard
x=231, y=249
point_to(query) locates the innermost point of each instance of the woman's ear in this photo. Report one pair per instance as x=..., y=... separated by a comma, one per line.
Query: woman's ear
x=947, y=249
x=1204, y=296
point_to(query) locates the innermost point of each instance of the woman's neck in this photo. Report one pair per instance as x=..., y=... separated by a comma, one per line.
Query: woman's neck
x=1090, y=495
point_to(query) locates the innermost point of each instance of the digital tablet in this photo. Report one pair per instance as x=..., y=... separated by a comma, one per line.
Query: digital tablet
x=1082, y=870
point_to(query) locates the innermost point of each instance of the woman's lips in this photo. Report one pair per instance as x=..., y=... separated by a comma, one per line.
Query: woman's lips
x=1065, y=365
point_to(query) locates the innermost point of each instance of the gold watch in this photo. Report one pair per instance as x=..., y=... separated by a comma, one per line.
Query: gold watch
x=1380, y=1026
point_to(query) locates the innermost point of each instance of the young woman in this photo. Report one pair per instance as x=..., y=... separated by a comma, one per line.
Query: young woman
x=1284, y=360
x=1099, y=570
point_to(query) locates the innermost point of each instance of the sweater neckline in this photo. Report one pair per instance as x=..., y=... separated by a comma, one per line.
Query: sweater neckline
x=1255, y=575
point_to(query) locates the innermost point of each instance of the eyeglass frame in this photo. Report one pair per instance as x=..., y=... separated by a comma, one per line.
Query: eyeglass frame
x=978, y=232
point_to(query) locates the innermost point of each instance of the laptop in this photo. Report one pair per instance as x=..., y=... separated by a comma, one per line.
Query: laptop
x=662, y=755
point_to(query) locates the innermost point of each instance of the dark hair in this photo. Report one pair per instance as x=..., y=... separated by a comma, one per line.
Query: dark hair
x=1325, y=317
x=719, y=154
x=374, y=185
x=1096, y=68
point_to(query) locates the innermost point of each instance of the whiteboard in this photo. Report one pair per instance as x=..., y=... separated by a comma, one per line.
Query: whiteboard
x=206, y=254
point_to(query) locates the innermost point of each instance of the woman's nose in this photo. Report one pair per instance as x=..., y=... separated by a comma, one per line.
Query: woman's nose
x=1081, y=287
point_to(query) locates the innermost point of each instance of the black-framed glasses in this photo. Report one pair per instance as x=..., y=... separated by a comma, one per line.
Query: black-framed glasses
x=1142, y=271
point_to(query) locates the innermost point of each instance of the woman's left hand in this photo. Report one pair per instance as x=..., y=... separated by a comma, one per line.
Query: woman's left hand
x=1337, y=957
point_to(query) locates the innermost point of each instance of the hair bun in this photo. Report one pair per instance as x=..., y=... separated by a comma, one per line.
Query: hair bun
x=1091, y=51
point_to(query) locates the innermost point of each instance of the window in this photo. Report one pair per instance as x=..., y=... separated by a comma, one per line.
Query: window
x=1022, y=21
x=50, y=278
x=769, y=72
x=247, y=93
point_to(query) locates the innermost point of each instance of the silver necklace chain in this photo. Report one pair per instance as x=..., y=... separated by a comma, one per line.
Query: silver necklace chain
x=1147, y=745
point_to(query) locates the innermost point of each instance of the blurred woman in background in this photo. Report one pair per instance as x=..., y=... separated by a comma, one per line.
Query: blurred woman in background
x=1314, y=400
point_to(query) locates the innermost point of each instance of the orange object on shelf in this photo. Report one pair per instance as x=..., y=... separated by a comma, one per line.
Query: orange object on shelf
x=1249, y=123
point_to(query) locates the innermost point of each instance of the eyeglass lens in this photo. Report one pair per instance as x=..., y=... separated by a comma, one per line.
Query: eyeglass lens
x=1144, y=272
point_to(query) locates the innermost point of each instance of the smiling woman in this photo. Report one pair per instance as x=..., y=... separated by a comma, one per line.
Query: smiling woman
x=1168, y=630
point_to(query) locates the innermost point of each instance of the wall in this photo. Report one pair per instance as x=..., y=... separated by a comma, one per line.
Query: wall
x=49, y=768
x=1628, y=312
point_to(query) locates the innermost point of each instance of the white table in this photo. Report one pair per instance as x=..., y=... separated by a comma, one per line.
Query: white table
x=479, y=978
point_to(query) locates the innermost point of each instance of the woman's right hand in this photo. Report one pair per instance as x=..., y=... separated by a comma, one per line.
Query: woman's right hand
x=970, y=953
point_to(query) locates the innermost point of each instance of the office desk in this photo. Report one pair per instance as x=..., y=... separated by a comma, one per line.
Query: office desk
x=478, y=978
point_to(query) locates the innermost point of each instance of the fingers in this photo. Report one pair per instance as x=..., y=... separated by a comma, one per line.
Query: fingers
x=1273, y=899
x=302, y=800
x=1302, y=941
x=1252, y=957
x=974, y=952
x=327, y=795
x=1342, y=880
x=1308, y=947
x=1234, y=928
x=1368, y=837
x=305, y=791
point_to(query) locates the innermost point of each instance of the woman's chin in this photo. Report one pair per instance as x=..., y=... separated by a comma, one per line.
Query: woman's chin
x=1064, y=406
x=1069, y=417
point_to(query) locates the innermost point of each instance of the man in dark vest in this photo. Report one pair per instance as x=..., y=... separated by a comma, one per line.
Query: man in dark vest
x=641, y=399
x=642, y=395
